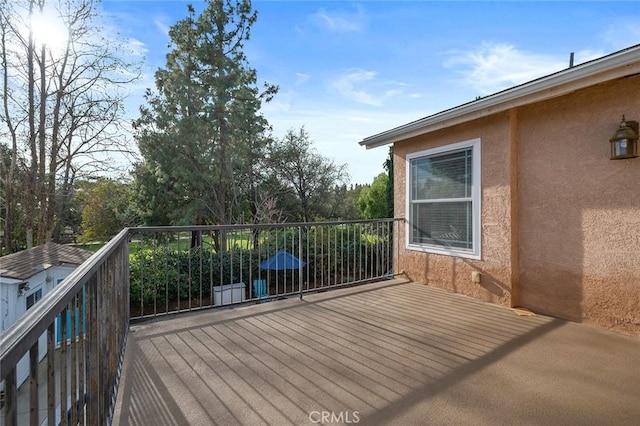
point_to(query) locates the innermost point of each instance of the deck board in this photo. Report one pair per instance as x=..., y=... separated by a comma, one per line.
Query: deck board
x=393, y=352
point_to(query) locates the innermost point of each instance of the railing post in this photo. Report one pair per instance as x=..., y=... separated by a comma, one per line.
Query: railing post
x=82, y=373
x=73, y=347
x=51, y=378
x=93, y=355
x=63, y=367
x=11, y=399
x=300, y=272
x=33, y=384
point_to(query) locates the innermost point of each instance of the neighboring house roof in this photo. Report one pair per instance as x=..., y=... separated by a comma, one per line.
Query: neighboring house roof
x=616, y=65
x=26, y=263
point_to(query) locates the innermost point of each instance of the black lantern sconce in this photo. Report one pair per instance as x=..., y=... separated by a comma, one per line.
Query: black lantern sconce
x=624, y=144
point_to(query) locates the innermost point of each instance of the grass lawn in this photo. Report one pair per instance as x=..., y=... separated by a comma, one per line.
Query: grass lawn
x=234, y=241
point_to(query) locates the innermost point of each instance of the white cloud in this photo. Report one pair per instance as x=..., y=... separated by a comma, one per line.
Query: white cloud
x=162, y=26
x=135, y=47
x=281, y=103
x=392, y=92
x=337, y=131
x=625, y=33
x=349, y=86
x=301, y=77
x=340, y=21
x=496, y=66
x=365, y=87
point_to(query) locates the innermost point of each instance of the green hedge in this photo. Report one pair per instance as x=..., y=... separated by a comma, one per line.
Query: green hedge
x=162, y=271
x=168, y=274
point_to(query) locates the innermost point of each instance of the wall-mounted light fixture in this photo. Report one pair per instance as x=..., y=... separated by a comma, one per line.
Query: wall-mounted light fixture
x=624, y=143
x=23, y=288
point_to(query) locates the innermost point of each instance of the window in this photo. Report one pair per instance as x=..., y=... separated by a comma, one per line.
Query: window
x=443, y=197
x=34, y=297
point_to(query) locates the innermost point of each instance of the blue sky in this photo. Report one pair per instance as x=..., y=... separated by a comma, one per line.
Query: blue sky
x=348, y=70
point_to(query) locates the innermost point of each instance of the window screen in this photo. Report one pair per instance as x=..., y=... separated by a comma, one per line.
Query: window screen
x=33, y=298
x=441, y=199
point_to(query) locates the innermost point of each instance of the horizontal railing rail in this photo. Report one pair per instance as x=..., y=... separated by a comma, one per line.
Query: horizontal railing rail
x=146, y=272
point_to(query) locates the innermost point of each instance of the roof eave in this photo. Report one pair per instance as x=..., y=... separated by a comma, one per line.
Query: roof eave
x=619, y=64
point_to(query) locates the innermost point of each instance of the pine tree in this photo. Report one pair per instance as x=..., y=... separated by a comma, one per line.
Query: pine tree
x=202, y=134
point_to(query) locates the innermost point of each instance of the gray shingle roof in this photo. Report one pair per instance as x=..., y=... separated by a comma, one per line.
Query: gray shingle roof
x=27, y=263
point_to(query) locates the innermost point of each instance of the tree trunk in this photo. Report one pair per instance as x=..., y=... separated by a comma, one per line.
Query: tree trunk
x=44, y=196
x=196, y=239
x=10, y=174
x=62, y=205
x=30, y=201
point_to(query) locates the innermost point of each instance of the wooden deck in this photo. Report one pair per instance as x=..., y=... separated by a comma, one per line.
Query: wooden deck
x=393, y=352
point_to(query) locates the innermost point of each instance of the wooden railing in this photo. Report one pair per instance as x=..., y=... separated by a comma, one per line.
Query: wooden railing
x=82, y=371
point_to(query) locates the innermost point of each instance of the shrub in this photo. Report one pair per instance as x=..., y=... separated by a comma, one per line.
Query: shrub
x=167, y=274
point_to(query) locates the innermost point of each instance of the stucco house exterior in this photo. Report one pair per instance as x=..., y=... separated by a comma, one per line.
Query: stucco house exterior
x=513, y=198
x=26, y=277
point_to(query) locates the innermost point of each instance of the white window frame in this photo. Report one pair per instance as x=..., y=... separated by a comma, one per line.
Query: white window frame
x=476, y=196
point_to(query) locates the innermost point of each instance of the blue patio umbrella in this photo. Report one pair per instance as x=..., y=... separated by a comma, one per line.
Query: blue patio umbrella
x=282, y=260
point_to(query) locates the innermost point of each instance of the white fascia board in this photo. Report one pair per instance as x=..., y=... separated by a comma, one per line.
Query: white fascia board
x=616, y=65
x=7, y=280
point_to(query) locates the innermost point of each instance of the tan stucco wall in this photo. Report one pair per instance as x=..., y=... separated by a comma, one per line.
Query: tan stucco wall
x=579, y=211
x=574, y=249
x=454, y=273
